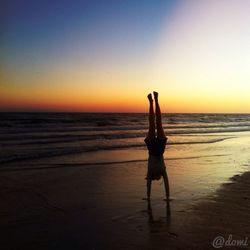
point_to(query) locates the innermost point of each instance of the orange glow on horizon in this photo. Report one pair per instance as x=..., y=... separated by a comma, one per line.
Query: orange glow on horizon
x=169, y=104
x=199, y=62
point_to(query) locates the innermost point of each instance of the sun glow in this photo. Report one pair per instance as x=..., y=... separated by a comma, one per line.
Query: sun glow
x=203, y=56
x=198, y=62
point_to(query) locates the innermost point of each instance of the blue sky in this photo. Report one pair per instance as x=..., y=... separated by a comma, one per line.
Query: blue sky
x=35, y=30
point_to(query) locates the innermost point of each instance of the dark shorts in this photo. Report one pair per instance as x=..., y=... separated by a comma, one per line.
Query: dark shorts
x=156, y=146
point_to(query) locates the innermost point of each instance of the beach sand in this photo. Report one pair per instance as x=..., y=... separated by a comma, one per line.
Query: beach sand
x=77, y=203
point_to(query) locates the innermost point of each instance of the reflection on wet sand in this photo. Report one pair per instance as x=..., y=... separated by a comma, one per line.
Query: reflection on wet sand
x=163, y=220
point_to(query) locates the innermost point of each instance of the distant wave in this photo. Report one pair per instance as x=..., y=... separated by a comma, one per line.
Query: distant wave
x=26, y=136
x=55, y=137
x=65, y=151
x=91, y=133
x=57, y=129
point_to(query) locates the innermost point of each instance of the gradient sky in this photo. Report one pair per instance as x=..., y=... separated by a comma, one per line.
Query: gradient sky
x=107, y=55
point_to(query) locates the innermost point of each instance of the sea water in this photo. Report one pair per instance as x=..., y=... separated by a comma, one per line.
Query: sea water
x=29, y=136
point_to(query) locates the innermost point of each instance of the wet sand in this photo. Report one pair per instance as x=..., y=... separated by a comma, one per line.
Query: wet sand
x=80, y=206
x=224, y=215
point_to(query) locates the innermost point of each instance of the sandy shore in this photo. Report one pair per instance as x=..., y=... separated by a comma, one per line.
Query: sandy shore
x=102, y=208
x=220, y=222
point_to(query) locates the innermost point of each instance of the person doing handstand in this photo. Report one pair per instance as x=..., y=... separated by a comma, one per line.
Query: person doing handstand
x=156, y=144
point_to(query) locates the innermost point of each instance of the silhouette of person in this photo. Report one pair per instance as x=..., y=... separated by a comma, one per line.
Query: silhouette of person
x=156, y=144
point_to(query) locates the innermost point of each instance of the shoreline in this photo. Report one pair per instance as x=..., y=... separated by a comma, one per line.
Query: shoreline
x=225, y=215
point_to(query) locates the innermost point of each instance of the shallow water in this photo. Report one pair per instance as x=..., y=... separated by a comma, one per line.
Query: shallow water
x=37, y=135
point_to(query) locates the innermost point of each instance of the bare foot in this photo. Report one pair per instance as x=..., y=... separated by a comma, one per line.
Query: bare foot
x=150, y=97
x=155, y=96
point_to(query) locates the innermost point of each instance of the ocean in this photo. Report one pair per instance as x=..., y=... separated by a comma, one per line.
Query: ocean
x=29, y=136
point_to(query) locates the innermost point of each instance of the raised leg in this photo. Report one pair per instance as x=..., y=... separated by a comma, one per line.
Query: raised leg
x=160, y=130
x=151, y=119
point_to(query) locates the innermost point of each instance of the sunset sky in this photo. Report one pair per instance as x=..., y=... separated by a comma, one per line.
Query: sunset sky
x=105, y=56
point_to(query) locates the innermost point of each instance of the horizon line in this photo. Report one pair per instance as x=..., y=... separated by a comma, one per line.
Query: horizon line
x=115, y=112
